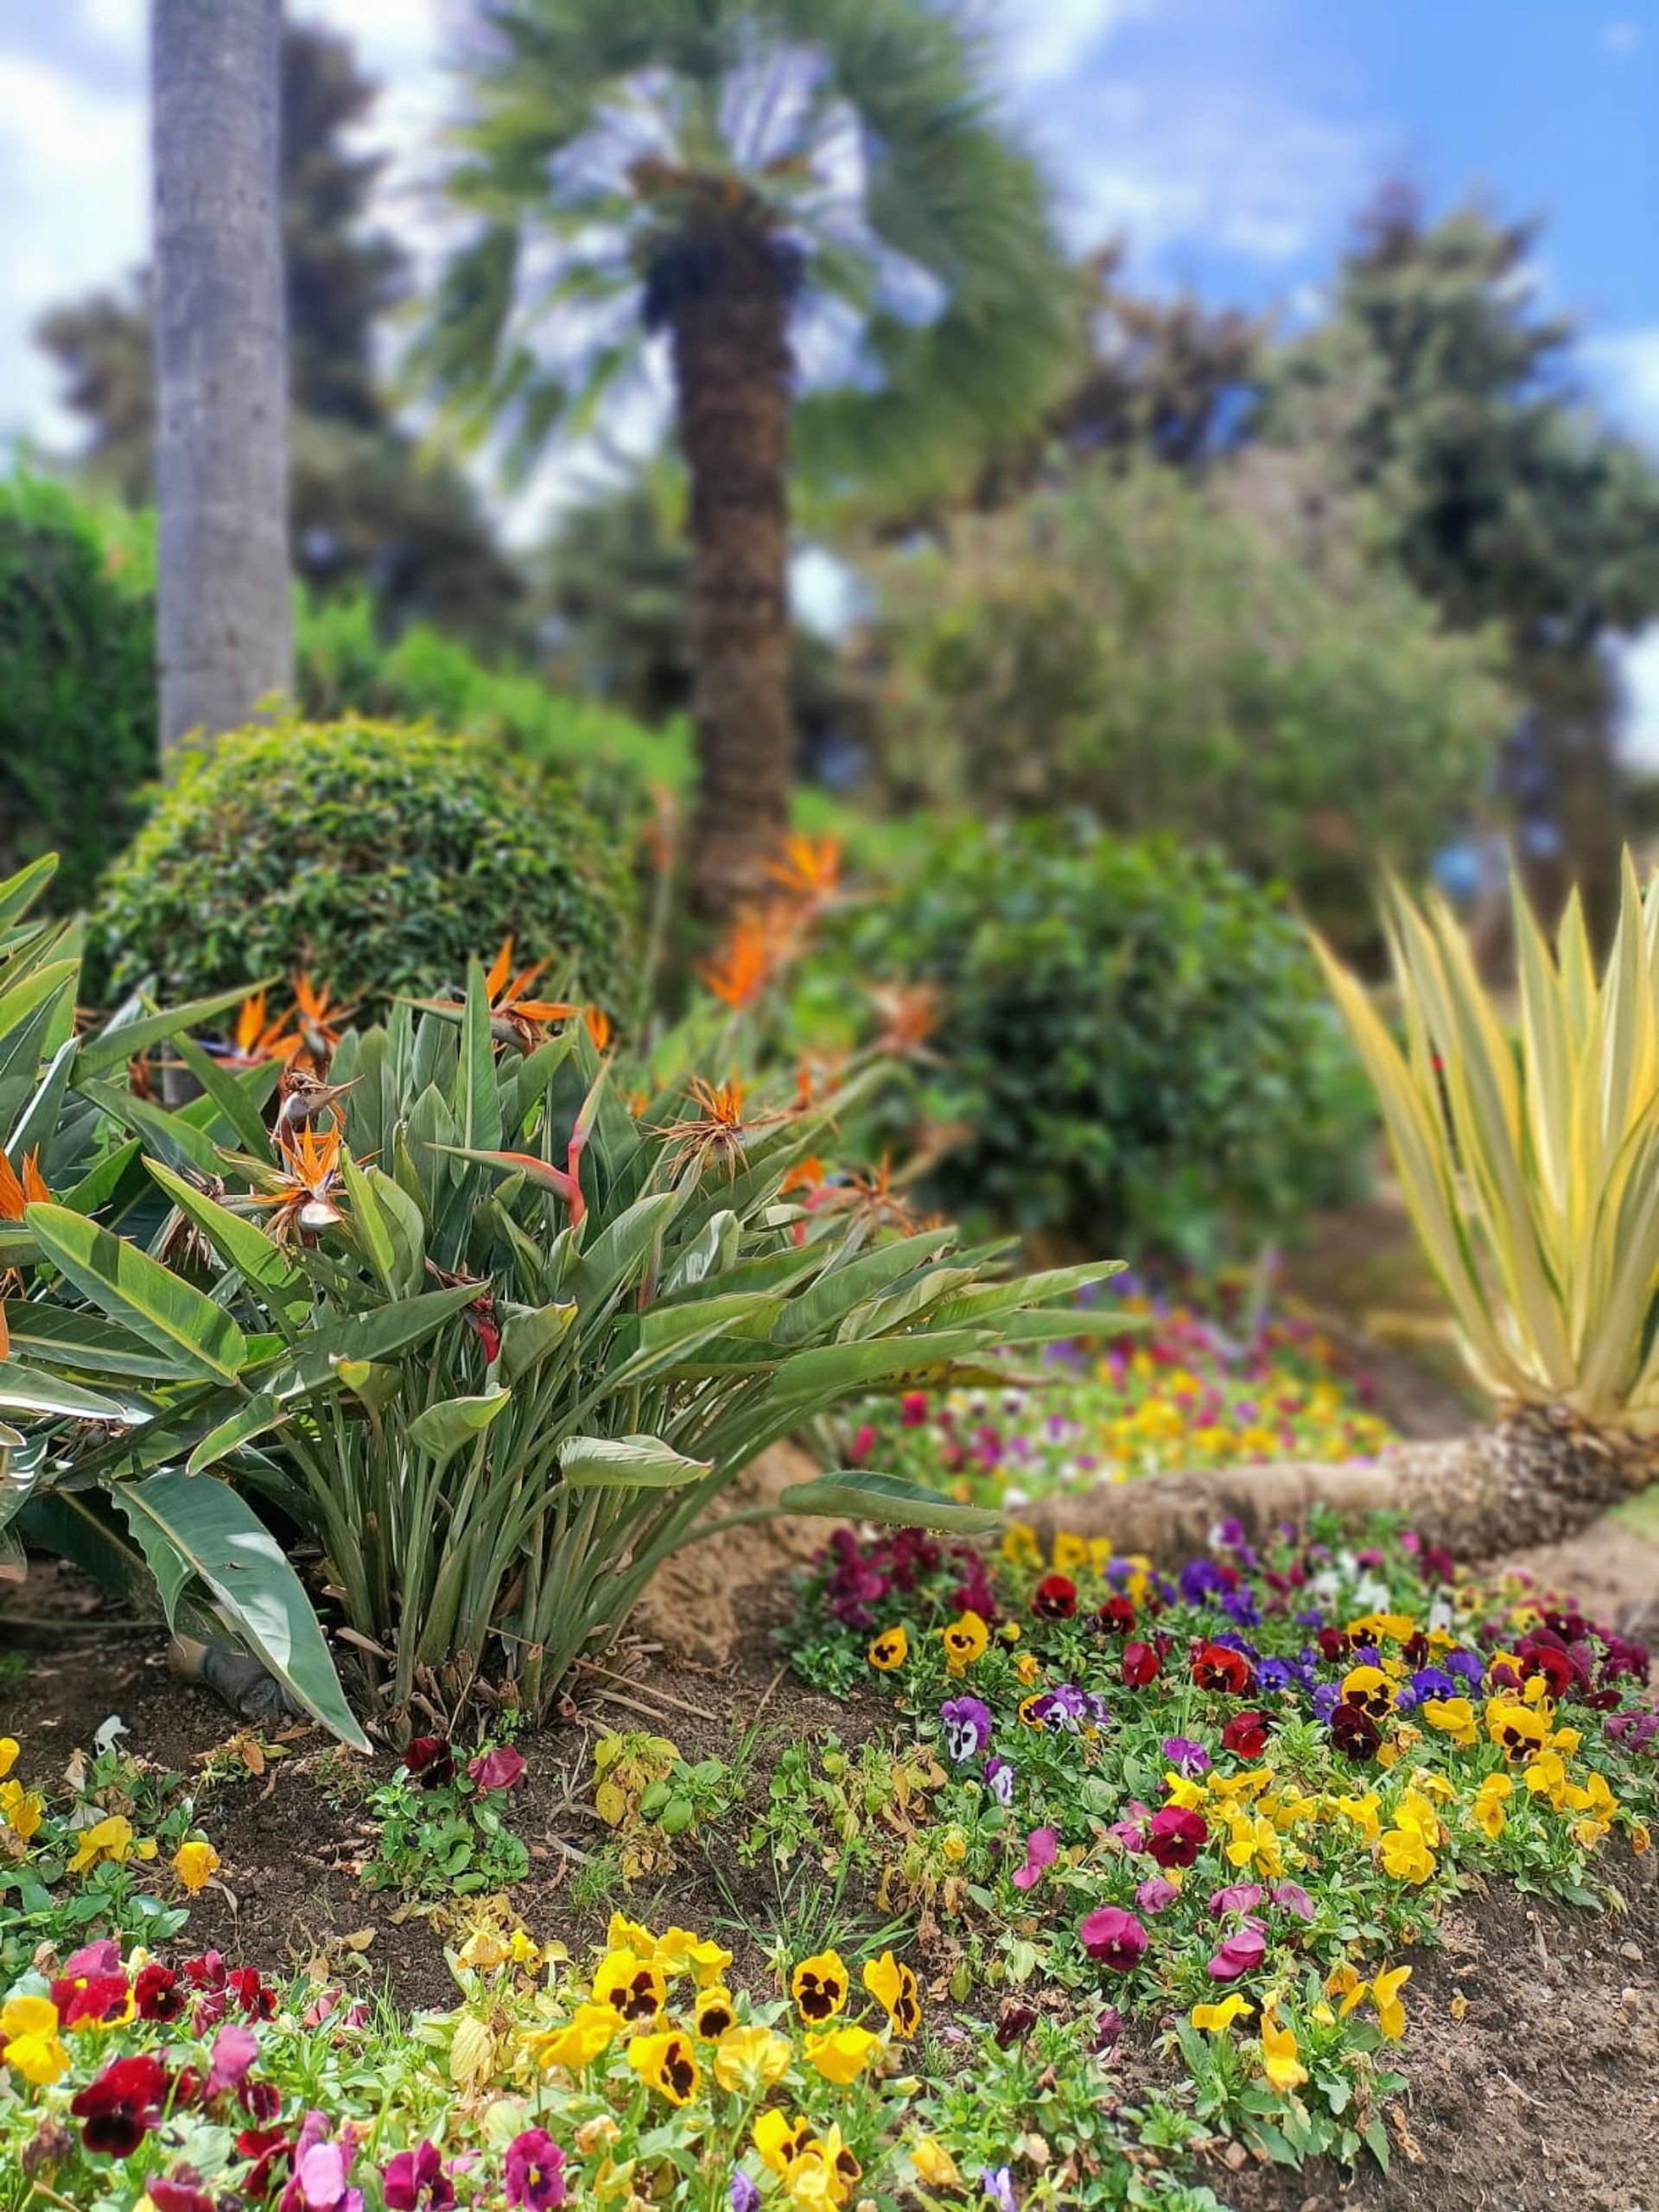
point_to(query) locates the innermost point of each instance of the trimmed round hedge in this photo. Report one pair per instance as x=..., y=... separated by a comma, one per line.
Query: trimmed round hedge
x=1135, y=1050
x=378, y=854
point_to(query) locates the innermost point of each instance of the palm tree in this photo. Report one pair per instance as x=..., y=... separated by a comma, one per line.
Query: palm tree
x=224, y=620
x=772, y=184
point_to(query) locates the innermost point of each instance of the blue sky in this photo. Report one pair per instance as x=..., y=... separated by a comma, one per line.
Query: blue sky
x=1229, y=140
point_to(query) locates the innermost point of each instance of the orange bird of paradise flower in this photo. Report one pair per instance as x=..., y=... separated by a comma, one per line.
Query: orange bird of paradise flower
x=809, y=870
x=306, y=1183
x=18, y=1191
x=514, y=1014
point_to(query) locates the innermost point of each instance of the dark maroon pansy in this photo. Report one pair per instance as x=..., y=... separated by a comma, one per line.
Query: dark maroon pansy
x=1140, y=1665
x=1055, y=1598
x=1176, y=1835
x=431, y=1759
x=1116, y=1617
x=1354, y=1733
x=155, y=1992
x=118, y=2108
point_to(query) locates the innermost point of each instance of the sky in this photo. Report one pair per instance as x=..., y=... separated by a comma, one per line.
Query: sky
x=1229, y=141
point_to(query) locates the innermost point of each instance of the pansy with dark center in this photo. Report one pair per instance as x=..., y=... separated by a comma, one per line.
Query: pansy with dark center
x=120, y=2106
x=1354, y=1733
x=1218, y=1666
x=819, y=1985
x=967, y=1727
x=1055, y=1598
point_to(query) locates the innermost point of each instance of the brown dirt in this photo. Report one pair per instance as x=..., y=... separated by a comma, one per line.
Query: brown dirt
x=1544, y=2095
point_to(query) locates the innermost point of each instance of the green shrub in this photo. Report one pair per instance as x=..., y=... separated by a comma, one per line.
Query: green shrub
x=77, y=682
x=376, y=855
x=1135, y=1050
x=343, y=666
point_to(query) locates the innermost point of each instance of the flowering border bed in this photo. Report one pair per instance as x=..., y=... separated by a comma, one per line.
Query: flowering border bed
x=1184, y=1827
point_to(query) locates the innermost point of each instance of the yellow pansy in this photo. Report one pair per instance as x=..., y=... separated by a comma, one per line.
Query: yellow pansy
x=591, y=2030
x=679, y=1949
x=1376, y=1628
x=841, y=2055
x=1390, y=2012
x=667, y=2063
x=10, y=1748
x=1454, y=1717
x=1279, y=2059
x=1020, y=1545
x=28, y=2031
x=892, y=1984
x=748, y=2061
x=965, y=1639
x=778, y=2140
x=819, y=1985
x=1405, y=1855
x=935, y=2165
x=625, y=1935
x=21, y=1810
x=889, y=1649
x=194, y=1862
x=111, y=1838
x=1070, y=1552
x=1215, y=2019
x=627, y=1983
x=1345, y=1984
x=715, y=2012
x=1362, y=1811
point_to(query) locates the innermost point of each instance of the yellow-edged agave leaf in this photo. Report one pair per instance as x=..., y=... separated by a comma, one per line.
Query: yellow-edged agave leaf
x=1530, y=1161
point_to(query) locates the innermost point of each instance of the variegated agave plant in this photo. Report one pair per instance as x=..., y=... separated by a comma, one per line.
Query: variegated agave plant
x=1529, y=1151
x=514, y=1338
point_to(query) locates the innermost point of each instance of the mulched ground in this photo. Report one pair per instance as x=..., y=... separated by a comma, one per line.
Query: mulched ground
x=1544, y=2094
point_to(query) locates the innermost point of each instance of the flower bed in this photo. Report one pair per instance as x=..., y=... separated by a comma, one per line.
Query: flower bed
x=1206, y=1380
x=1138, y=1866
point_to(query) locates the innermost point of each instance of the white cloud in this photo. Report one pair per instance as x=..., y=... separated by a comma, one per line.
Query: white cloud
x=1234, y=167
x=1043, y=41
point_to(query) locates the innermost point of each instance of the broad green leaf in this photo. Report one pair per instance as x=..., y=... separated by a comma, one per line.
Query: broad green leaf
x=46, y=1334
x=854, y=1496
x=113, y=1048
x=194, y=1528
x=237, y=1096
x=530, y=1332
x=379, y=1334
x=136, y=1290
x=479, y=1103
x=627, y=1463
x=240, y=1243
x=27, y=1390
x=445, y=1428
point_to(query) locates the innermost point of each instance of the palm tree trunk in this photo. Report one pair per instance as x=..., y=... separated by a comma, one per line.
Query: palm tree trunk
x=224, y=618
x=732, y=367
x=1526, y=1479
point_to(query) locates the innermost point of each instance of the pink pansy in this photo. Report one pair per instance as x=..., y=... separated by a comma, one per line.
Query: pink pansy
x=1292, y=1898
x=1239, y=1953
x=91, y=1960
x=500, y=1768
x=1114, y=1936
x=1131, y=1831
x=1155, y=1894
x=234, y=2052
x=1237, y=1897
x=1042, y=1846
x=319, y=2181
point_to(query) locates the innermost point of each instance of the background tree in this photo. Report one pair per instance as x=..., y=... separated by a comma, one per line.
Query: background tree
x=224, y=618
x=757, y=180
x=1208, y=659
x=364, y=510
x=1436, y=387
